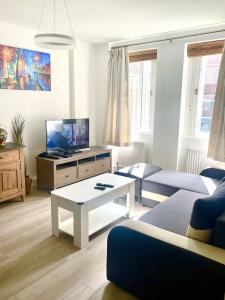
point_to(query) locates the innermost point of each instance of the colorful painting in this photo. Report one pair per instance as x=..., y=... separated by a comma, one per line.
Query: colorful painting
x=22, y=69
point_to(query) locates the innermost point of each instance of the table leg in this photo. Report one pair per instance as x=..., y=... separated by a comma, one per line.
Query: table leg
x=80, y=226
x=131, y=199
x=55, y=216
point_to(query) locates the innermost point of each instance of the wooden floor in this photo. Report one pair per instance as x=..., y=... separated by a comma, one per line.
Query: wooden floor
x=36, y=265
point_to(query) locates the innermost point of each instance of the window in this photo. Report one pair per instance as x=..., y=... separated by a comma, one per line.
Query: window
x=203, y=70
x=209, y=69
x=141, y=91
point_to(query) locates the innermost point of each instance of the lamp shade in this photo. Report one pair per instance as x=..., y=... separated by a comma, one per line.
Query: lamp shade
x=54, y=41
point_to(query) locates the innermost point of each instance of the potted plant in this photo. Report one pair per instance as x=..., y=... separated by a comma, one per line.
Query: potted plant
x=18, y=125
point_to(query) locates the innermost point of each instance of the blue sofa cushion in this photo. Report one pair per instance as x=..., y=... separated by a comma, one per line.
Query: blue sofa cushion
x=167, y=182
x=205, y=212
x=219, y=231
x=139, y=170
x=174, y=213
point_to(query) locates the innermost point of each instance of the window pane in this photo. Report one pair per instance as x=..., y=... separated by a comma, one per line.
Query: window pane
x=206, y=93
x=207, y=108
x=140, y=94
x=135, y=80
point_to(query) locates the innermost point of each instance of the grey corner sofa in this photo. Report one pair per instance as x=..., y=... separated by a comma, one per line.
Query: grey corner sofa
x=153, y=259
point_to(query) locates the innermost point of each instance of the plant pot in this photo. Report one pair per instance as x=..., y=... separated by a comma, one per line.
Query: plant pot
x=28, y=183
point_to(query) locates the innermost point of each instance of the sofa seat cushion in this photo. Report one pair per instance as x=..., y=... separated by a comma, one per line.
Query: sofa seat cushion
x=139, y=170
x=168, y=182
x=174, y=213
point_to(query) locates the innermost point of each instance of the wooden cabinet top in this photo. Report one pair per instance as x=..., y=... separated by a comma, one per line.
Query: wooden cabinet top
x=10, y=146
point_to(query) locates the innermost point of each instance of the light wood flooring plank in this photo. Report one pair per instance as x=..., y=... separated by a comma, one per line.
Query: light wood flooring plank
x=35, y=265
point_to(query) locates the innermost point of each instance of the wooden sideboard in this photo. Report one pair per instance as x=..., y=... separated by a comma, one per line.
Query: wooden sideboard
x=56, y=173
x=12, y=172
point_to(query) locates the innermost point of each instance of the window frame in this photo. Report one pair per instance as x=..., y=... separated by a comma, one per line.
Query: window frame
x=194, y=81
x=153, y=60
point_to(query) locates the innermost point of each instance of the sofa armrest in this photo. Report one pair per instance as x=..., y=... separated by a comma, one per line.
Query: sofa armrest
x=213, y=173
x=153, y=263
x=219, y=231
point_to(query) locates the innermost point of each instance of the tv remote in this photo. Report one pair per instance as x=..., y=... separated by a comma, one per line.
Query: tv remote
x=102, y=188
x=105, y=185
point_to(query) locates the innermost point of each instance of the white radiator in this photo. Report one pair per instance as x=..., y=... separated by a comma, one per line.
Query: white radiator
x=196, y=161
x=125, y=156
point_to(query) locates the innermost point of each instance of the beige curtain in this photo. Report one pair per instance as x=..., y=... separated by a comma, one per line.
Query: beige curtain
x=216, y=149
x=117, y=130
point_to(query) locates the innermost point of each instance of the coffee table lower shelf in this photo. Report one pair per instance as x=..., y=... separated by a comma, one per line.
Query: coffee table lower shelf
x=98, y=218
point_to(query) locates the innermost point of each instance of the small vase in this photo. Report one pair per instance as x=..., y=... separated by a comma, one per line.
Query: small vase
x=3, y=135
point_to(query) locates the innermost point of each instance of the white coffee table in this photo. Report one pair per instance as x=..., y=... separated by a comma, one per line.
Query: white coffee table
x=92, y=209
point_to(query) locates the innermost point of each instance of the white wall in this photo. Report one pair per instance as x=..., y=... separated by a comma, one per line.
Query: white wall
x=85, y=70
x=101, y=77
x=35, y=106
x=167, y=104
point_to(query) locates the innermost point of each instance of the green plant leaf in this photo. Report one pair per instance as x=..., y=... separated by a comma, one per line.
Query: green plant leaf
x=18, y=125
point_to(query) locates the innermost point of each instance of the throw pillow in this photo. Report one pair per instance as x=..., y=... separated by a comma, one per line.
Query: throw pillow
x=204, y=214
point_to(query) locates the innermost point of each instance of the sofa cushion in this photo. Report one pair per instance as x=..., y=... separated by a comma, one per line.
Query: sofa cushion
x=168, y=182
x=205, y=212
x=174, y=213
x=219, y=231
x=139, y=170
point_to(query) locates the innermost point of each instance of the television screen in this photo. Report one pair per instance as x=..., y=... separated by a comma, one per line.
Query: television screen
x=54, y=135
x=68, y=134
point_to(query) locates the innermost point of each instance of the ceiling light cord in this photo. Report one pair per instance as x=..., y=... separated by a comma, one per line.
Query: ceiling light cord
x=67, y=12
x=54, y=16
x=55, y=40
x=41, y=17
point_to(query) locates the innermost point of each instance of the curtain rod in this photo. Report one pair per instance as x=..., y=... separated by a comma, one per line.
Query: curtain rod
x=169, y=39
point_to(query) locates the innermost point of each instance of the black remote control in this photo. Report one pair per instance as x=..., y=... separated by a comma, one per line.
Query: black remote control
x=98, y=187
x=105, y=185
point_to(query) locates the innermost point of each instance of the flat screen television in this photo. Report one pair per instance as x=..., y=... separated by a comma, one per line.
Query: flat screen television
x=68, y=135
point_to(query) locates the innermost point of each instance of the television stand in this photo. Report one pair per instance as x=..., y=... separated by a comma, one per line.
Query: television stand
x=54, y=173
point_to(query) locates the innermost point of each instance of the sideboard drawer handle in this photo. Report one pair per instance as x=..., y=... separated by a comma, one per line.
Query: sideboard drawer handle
x=87, y=170
x=1, y=157
x=67, y=176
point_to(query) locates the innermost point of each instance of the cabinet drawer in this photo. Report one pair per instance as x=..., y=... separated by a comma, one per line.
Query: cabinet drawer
x=87, y=170
x=103, y=165
x=10, y=180
x=65, y=177
x=9, y=156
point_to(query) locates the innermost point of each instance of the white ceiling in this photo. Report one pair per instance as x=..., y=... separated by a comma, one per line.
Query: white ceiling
x=112, y=20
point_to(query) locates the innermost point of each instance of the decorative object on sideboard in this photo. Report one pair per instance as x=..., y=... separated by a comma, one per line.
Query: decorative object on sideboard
x=50, y=39
x=18, y=125
x=3, y=135
x=23, y=69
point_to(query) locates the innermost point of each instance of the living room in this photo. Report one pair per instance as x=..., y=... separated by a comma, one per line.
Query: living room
x=139, y=79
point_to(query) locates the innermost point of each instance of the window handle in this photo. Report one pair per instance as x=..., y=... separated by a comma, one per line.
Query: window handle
x=196, y=91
